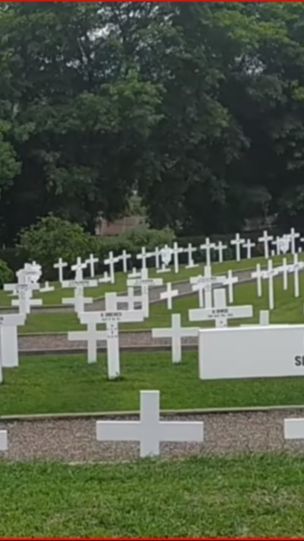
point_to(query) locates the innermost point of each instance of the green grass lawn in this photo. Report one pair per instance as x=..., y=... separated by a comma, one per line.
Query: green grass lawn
x=288, y=310
x=68, y=384
x=246, y=496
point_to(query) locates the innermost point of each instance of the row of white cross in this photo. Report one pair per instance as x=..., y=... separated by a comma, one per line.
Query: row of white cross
x=164, y=256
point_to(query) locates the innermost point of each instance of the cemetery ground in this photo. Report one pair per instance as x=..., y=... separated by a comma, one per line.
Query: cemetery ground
x=243, y=496
x=288, y=309
x=225, y=486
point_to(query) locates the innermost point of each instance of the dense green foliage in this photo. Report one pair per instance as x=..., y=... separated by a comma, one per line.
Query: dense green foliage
x=6, y=274
x=198, y=107
x=52, y=238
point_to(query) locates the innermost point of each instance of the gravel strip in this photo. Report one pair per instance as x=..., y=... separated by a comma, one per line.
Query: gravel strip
x=73, y=440
x=126, y=340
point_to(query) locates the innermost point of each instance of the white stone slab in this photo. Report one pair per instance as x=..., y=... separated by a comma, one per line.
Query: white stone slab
x=293, y=429
x=3, y=440
x=251, y=352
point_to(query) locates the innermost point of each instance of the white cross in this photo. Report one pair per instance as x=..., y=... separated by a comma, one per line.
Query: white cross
x=9, y=340
x=105, y=279
x=295, y=268
x=205, y=283
x=157, y=257
x=190, y=250
x=130, y=299
x=24, y=289
x=91, y=261
x=277, y=243
x=176, y=251
x=3, y=440
x=175, y=332
x=293, y=236
x=111, y=317
x=149, y=430
x=60, y=266
x=91, y=336
x=237, y=242
x=248, y=245
x=168, y=295
x=143, y=256
x=220, y=248
x=135, y=273
x=265, y=239
x=270, y=273
x=285, y=268
x=124, y=258
x=230, y=280
x=46, y=288
x=79, y=300
x=258, y=274
x=221, y=312
x=111, y=262
x=78, y=268
x=207, y=248
x=166, y=256
x=144, y=282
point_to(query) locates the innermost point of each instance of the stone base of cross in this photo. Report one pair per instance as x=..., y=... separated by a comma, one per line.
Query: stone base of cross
x=149, y=431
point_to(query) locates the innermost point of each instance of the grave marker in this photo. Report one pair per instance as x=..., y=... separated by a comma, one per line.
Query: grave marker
x=176, y=332
x=91, y=262
x=207, y=247
x=265, y=239
x=220, y=248
x=60, y=265
x=149, y=430
x=251, y=352
x=144, y=283
x=248, y=245
x=110, y=261
x=189, y=251
x=237, y=242
x=168, y=295
x=220, y=313
x=111, y=317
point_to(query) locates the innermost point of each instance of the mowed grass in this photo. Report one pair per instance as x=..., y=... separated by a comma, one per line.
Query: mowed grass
x=288, y=309
x=246, y=496
x=53, y=384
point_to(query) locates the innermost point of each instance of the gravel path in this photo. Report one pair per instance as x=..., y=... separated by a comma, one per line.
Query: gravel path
x=127, y=340
x=73, y=440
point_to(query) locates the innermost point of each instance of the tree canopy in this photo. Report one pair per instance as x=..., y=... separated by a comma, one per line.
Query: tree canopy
x=199, y=107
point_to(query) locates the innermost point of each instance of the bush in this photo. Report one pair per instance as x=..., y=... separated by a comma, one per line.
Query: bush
x=132, y=242
x=52, y=238
x=6, y=274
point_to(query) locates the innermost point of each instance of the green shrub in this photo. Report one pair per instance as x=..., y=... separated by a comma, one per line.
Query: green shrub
x=133, y=242
x=6, y=274
x=52, y=238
